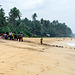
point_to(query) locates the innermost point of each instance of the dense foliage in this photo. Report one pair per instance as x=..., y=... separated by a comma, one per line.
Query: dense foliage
x=33, y=27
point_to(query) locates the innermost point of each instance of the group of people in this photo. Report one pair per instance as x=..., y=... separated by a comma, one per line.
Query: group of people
x=14, y=36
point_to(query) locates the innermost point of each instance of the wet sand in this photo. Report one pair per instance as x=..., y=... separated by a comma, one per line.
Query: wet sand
x=31, y=58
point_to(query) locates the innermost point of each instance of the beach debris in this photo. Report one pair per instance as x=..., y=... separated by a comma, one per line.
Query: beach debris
x=61, y=46
x=57, y=46
x=53, y=45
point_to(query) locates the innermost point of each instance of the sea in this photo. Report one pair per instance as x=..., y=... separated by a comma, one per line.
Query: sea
x=71, y=44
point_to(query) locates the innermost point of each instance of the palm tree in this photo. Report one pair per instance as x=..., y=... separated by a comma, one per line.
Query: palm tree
x=14, y=14
x=0, y=5
x=34, y=16
x=2, y=17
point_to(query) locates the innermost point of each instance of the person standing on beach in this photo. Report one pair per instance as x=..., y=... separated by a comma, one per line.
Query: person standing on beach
x=41, y=40
x=71, y=38
x=12, y=35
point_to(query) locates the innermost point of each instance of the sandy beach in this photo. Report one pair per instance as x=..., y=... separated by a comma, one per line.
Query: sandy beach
x=54, y=57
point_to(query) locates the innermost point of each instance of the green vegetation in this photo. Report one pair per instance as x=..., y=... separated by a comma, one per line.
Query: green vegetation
x=31, y=28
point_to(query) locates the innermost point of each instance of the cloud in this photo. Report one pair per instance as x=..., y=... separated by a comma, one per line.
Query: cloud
x=60, y=5
x=22, y=4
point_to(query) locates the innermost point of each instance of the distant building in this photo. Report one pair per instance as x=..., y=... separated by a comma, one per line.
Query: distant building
x=48, y=35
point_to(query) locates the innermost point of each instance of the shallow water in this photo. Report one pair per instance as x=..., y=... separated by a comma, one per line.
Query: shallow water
x=71, y=44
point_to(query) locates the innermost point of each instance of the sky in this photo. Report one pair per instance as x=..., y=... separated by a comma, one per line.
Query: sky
x=61, y=10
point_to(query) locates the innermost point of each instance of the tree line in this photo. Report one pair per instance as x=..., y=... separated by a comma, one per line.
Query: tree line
x=32, y=28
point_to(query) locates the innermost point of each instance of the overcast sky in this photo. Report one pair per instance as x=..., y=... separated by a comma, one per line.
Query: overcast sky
x=61, y=10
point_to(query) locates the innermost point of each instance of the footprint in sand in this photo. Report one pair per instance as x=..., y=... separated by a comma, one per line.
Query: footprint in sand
x=43, y=49
x=49, y=68
x=12, y=68
x=57, y=63
x=42, y=69
x=1, y=73
x=2, y=61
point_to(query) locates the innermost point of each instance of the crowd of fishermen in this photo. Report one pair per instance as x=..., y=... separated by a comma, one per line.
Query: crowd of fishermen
x=13, y=36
